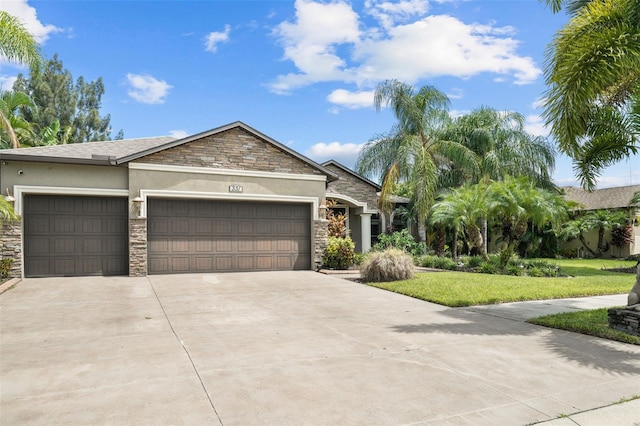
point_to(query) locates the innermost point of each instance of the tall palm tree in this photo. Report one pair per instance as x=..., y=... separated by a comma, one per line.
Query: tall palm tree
x=16, y=43
x=19, y=46
x=502, y=147
x=414, y=150
x=593, y=78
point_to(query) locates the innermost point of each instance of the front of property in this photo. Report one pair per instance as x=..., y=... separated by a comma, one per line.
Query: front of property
x=230, y=199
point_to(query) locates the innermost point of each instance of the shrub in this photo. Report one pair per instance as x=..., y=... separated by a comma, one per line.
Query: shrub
x=401, y=240
x=427, y=261
x=445, y=263
x=339, y=254
x=473, y=261
x=389, y=265
x=5, y=267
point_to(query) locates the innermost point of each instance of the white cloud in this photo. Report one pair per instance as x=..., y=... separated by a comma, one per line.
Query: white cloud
x=328, y=42
x=214, y=38
x=310, y=43
x=147, y=89
x=178, y=134
x=6, y=82
x=345, y=153
x=456, y=93
x=539, y=103
x=534, y=125
x=388, y=12
x=455, y=113
x=352, y=100
x=29, y=17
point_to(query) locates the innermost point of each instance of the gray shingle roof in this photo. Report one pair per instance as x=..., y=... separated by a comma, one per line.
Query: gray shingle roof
x=98, y=152
x=605, y=198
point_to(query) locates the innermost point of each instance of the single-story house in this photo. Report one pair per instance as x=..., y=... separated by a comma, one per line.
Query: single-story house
x=616, y=198
x=228, y=199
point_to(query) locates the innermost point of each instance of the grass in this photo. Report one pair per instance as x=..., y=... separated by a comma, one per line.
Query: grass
x=593, y=322
x=467, y=289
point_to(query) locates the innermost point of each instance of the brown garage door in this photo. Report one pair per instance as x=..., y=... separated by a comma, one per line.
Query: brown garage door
x=75, y=236
x=224, y=236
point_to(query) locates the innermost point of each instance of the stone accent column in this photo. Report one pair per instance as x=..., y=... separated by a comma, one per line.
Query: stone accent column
x=12, y=246
x=320, y=237
x=138, y=247
x=365, y=231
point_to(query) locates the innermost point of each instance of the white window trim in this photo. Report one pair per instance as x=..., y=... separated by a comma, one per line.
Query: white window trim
x=224, y=172
x=20, y=190
x=154, y=193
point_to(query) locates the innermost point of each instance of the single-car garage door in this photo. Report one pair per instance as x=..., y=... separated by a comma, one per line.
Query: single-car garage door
x=75, y=236
x=225, y=236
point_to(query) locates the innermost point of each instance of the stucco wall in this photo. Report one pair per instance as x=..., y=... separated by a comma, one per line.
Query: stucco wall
x=65, y=175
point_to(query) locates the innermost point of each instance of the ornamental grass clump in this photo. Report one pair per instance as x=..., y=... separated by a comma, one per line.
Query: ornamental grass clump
x=388, y=265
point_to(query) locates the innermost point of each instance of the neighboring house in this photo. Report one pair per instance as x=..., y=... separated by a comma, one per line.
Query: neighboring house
x=611, y=199
x=229, y=199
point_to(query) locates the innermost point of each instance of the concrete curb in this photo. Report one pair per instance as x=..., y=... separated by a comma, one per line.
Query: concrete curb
x=9, y=284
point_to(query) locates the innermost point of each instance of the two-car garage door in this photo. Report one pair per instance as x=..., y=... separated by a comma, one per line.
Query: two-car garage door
x=77, y=235
x=224, y=236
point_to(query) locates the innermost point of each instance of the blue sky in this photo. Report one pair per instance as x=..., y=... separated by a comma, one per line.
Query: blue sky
x=302, y=72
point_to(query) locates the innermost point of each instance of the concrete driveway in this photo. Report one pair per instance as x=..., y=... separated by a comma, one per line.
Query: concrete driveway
x=285, y=348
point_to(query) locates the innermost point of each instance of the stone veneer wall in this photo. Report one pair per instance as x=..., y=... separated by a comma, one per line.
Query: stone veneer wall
x=320, y=237
x=233, y=149
x=349, y=185
x=12, y=246
x=138, y=247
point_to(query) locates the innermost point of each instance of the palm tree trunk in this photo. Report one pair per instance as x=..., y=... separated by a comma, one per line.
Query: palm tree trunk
x=422, y=231
x=484, y=227
x=584, y=244
x=454, y=244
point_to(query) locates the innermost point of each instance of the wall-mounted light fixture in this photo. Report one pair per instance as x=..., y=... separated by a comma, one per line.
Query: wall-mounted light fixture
x=322, y=211
x=137, y=204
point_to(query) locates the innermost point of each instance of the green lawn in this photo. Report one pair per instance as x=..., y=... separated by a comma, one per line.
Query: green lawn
x=466, y=289
x=594, y=323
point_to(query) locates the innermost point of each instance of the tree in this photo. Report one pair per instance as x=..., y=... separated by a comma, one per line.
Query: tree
x=514, y=203
x=502, y=147
x=602, y=220
x=14, y=129
x=593, y=78
x=462, y=209
x=75, y=106
x=16, y=43
x=414, y=150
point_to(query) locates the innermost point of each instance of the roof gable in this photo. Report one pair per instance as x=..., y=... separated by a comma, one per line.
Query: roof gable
x=337, y=165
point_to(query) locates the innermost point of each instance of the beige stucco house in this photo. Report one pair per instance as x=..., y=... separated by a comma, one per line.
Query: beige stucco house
x=228, y=199
x=606, y=198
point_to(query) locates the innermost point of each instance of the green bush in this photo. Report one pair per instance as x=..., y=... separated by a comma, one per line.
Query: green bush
x=339, y=254
x=401, y=240
x=389, y=265
x=5, y=267
x=445, y=263
x=472, y=261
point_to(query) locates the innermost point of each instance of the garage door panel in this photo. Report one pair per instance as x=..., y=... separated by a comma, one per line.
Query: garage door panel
x=241, y=236
x=75, y=236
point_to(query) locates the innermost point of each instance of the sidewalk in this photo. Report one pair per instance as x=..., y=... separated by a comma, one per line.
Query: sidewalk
x=625, y=414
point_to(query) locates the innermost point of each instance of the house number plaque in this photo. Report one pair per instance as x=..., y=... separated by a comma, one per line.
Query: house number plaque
x=235, y=188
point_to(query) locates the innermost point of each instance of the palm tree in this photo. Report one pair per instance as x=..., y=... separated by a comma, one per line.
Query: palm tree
x=516, y=202
x=16, y=45
x=13, y=127
x=502, y=147
x=463, y=208
x=414, y=151
x=593, y=75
